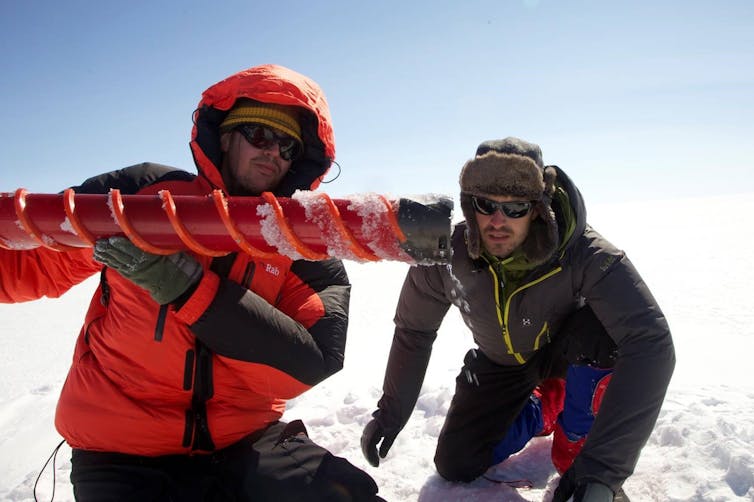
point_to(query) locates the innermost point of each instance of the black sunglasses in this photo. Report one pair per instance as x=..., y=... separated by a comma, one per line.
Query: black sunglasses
x=264, y=137
x=509, y=209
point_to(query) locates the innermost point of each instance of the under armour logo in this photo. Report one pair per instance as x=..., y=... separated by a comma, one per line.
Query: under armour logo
x=526, y=321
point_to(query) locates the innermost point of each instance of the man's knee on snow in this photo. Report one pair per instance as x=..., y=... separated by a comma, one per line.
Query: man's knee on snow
x=457, y=465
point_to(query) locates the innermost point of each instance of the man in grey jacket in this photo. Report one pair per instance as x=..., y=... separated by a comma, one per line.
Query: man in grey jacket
x=547, y=299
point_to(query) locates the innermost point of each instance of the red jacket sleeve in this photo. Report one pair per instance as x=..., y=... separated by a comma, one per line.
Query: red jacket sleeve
x=31, y=274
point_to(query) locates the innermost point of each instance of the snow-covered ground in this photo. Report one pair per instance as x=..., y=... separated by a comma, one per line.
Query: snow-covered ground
x=695, y=254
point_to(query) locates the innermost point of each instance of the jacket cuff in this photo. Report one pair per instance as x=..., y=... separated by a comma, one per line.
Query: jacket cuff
x=200, y=300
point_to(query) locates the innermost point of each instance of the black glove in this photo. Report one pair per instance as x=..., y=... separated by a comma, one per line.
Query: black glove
x=164, y=277
x=583, y=492
x=373, y=433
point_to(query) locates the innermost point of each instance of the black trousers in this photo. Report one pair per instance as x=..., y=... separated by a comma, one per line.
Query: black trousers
x=278, y=464
x=488, y=397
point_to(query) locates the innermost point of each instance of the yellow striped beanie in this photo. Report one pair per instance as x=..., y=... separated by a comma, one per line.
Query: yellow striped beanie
x=281, y=117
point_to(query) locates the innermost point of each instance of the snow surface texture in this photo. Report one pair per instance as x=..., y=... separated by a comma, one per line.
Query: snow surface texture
x=695, y=255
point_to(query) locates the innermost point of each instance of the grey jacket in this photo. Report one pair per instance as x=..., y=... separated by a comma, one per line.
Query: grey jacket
x=510, y=322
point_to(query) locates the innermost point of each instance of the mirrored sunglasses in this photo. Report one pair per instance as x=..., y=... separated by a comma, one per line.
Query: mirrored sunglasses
x=509, y=209
x=264, y=137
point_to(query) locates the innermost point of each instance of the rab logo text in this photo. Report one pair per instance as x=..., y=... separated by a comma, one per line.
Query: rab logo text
x=270, y=269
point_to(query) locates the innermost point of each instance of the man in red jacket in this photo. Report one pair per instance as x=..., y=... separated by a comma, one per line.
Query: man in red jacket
x=185, y=362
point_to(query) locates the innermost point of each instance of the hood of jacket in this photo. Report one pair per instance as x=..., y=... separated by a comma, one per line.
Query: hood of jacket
x=569, y=208
x=268, y=84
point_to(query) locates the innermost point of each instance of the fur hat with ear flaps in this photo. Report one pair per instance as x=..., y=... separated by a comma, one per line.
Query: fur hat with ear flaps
x=512, y=167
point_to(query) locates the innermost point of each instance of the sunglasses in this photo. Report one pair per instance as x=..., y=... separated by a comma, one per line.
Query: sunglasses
x=264, y=137
x=509, y=209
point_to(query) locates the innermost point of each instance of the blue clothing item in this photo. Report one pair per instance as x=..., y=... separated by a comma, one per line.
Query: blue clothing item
x=527, y=424
x=577, y=416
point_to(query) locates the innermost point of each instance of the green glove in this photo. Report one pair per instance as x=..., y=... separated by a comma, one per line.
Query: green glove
x=164, y=277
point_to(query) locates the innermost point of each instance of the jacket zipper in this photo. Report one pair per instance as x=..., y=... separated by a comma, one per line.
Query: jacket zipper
x=159, y=328
x=503, y=313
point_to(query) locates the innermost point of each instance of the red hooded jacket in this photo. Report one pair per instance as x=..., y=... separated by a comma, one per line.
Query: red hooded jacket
x=155, y=380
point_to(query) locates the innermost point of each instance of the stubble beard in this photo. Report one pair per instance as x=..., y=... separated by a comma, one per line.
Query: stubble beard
x=500, y=250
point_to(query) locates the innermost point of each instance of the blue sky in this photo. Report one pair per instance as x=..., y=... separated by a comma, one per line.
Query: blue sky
x=635, y=100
